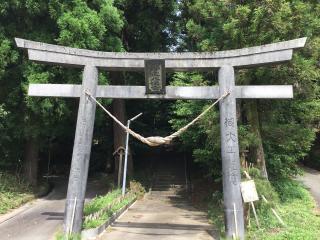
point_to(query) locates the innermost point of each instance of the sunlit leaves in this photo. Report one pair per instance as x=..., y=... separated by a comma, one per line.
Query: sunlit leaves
x=228, y=24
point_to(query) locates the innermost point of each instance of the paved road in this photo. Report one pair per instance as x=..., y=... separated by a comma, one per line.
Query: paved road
x=311, y=179
x=41, y=219
x=164, y=214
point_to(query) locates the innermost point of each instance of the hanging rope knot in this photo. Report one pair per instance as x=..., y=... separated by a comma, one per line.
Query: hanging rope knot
x=157, y=140
x=119, y=150
x=226, y=94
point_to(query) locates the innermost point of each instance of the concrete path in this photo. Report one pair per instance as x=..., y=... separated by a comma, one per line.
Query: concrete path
x=157, y=219
x=164, y=214
x=311, y=179
x=40, y=219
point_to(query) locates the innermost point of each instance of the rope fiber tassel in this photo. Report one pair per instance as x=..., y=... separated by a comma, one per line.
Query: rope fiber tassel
x=157, y=140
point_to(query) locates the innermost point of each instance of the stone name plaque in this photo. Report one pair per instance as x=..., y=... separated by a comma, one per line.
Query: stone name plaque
x=155, y=76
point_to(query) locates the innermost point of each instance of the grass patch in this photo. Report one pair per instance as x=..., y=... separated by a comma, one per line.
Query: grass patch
x=13, y=192
x=108, y=213
x=100, y=202
x=72, y=236
x=290, y=199
x=101, y=208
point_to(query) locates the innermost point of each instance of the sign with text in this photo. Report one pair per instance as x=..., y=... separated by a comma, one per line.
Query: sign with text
x=155, y=76
x=249, y=191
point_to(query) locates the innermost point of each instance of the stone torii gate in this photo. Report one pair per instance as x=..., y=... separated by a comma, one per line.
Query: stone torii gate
x=156, y=64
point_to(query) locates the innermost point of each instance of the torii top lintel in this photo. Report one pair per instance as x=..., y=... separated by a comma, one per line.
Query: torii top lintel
x=185, y=61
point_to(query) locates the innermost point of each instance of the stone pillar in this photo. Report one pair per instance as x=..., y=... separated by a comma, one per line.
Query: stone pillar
x=230, y=155
x=81, y=153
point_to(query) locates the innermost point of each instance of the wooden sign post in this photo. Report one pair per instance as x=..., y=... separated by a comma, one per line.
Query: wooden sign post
x=250, y=195
x=155, y=65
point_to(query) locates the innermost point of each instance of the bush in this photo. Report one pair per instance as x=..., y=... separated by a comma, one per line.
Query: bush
x=291, y=200
x=101, y=208
x=100, y=202
x=61, y=236
x=137, y=189
x=13, y=192
x=296, y=207
x=113, y=203
x=291, y=190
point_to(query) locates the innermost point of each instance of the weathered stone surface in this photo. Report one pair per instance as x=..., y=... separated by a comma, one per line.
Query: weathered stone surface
x=155, y=76
x=170, y=64
x=285, y=45
x=139, y=92
x=260, y=55
x=233, y=208
x=81, y=153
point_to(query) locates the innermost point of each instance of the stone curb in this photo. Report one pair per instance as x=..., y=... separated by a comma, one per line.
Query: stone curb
x=93, y=232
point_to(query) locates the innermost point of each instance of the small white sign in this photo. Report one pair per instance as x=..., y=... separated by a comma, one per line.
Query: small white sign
x=249, y=191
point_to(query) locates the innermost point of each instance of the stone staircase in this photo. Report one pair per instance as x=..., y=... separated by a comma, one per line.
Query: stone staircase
x=169, y=180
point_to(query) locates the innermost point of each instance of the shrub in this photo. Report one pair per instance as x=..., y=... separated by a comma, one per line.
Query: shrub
x=72, y=236
x=137, y=189
x=13, y=192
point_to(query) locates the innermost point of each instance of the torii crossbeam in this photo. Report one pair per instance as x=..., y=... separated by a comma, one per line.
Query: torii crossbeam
x=226, y=61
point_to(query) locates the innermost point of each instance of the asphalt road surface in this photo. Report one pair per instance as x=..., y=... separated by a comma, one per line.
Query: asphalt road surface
x=311, y=179
x=40, y=219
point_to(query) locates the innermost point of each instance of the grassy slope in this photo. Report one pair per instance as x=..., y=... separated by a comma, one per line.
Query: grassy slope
x=13, y=192
x=293, y=203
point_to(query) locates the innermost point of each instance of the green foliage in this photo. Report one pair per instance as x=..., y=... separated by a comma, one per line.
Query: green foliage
x=288, y=126
x=265, y=188
x=203, y=139
x=109, y=204
x=289, y=190
x=292, y=202
x=99, y=202
x=72, y=236
x=78, y=23
x=285, y=149
x=150, y=25
x=215, y=211
x=85, y=27
x=13, y=192
x=137, y=189
x=297, y=211
x=7, y=55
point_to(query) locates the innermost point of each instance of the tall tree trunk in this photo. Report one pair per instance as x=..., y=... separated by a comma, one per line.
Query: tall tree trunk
x=256, y=152
x=31, y=157
x=119, y=135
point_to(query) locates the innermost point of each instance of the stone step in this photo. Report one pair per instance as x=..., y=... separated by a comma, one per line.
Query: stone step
x=167, y=193
x=173, y=190
x=168, y=187
x=168, y=174
x=170, y=181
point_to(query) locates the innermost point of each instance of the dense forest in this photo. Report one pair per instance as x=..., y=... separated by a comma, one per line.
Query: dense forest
x=274, y=135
